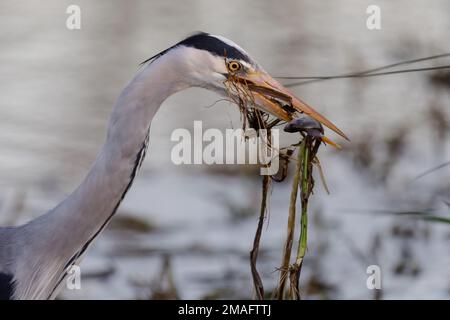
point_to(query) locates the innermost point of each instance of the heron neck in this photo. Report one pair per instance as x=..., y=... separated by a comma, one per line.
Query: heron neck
x=76, y=221
x=99, y=195
x=57, y=240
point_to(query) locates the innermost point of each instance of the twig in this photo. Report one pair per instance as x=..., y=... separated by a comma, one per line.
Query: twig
x=259, y=289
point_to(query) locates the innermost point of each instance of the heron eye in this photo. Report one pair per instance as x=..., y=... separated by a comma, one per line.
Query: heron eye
x=234, y=66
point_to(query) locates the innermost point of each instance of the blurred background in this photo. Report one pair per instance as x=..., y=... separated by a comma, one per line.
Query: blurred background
x=186, y=231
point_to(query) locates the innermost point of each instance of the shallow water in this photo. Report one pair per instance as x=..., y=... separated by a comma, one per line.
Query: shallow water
x=58, y=87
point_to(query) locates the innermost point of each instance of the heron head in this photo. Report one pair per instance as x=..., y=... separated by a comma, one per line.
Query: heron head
x=218, y=64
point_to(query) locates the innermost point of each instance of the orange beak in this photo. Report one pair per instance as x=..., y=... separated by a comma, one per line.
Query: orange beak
x=272, y=97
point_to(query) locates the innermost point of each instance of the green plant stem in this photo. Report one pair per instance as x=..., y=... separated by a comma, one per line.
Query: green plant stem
x=306, y=155
x=304, y=195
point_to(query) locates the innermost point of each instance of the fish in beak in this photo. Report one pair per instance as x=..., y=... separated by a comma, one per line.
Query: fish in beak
x=270, y=96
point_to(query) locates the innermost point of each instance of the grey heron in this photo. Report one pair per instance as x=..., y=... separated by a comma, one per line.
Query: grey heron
x=35, y=257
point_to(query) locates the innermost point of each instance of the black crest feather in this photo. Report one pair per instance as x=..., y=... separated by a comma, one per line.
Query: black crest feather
x=207, y=42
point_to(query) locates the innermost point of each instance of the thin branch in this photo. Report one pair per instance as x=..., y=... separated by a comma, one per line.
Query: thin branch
x=431, y=170
x=259, y=288
x=362, y=73
x=388, y=66
x=358, y=75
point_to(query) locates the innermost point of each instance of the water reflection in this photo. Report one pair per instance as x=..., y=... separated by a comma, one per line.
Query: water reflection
x=58, y=87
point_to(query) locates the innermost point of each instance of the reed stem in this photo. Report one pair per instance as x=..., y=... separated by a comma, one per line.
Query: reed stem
x=284, y=269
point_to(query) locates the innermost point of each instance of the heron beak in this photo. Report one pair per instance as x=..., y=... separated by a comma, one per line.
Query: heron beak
x=272, y=97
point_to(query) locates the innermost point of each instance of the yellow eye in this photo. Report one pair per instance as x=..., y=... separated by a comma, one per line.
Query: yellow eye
x=234, y=66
